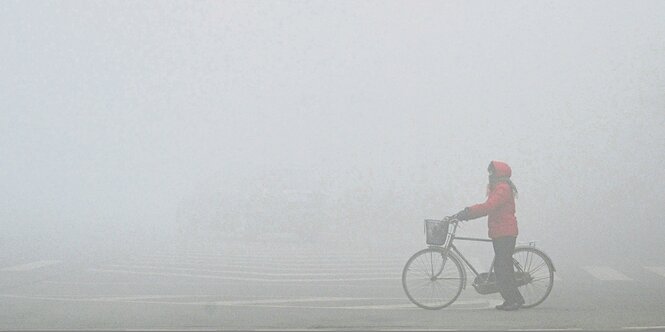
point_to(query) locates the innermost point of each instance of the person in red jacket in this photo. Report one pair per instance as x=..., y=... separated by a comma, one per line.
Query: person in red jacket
x=500, y=211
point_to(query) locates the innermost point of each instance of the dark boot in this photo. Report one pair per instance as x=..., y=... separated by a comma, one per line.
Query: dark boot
x=503, y=305
x=511, y=306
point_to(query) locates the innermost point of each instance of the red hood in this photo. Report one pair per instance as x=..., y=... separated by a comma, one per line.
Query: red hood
x=501, y=169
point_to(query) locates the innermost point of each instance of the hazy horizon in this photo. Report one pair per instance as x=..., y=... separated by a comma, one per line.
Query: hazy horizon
x=119, y=117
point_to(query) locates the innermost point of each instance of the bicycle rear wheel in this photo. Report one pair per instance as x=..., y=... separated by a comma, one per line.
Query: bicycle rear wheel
x=534, y=274
x=432, y=279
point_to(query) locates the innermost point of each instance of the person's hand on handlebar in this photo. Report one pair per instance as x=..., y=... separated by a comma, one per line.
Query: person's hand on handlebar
x=462, y=215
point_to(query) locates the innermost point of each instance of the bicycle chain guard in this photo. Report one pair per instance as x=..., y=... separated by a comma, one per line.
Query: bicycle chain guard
x=485, y=283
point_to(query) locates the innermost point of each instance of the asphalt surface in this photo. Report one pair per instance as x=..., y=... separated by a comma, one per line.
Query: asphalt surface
x=259, y=287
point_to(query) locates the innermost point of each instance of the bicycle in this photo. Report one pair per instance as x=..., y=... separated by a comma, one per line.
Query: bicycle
x=433, y=278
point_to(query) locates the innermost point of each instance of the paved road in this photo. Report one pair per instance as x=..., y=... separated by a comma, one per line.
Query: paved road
x=236, y=287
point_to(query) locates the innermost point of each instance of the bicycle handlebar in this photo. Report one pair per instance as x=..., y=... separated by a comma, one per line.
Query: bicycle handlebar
x=451, y=219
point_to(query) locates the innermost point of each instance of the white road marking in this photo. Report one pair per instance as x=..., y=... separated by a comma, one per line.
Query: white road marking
x=207, y=276
x=279, y=264
x=643, y=328
x=605, y=273
x=457, y=304
x=229, y=302
x=194, y=283
x=287, y=258
x=552, y=329
x=660, y=270
x=260, y=267
x=258, y=255
x=271, y=303
x=268, y=255
x=421, y=329
x=267, y=274
x=337, y=329
x=30, y=266
x=287, y=300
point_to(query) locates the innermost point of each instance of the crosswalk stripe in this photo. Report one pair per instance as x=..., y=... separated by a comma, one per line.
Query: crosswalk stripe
x=289, y=271
x=30, y=266
x=660, y=270
x=266, y=274
x=456, y=305
x=278, y=264
x=208, y=276
x=286, y=258
x=261, y=267
x=272, y=256
x=605, y=273
x=317, y=302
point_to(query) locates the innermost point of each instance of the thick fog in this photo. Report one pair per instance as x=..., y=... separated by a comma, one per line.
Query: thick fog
x=339, y=123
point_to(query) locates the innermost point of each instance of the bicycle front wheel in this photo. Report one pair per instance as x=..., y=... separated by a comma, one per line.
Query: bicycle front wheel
x=432, y=279
x=534, y=274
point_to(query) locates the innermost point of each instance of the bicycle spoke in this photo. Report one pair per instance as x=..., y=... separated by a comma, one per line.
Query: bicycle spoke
x=422, y=283
x=517, y=266
x=541, y=278
x=431, y=280
x=530, y=292
x=540, y=266
x=422, y=266
x=431, y=261
x=425, y=269
x=540, y=275
x=419, y=271
x=534, y=288
x=438, y=291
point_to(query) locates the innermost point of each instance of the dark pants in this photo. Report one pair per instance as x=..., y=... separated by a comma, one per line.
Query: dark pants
x=503, y=267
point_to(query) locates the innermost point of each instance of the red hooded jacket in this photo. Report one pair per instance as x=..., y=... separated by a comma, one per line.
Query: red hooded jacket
x=499, y=207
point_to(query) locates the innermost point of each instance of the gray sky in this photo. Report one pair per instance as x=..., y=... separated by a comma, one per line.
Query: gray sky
x=114, y=113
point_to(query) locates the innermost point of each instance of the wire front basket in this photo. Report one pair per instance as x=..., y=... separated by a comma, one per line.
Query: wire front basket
x=436, y=231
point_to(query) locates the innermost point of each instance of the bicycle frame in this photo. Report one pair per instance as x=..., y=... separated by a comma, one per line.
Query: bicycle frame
x=483, y=282
x=450, y=246
x=466, y=261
